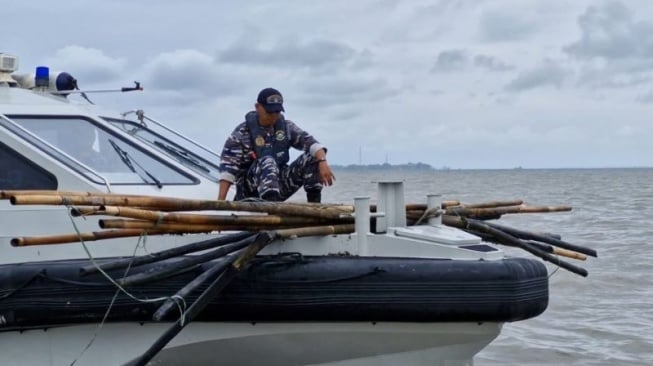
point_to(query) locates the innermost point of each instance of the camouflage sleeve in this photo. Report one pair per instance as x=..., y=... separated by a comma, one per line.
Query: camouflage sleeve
x=234, y=158
x=302, y=140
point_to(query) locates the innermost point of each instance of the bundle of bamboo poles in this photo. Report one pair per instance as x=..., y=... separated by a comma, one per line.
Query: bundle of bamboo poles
x=139, y=214
x=256, y=224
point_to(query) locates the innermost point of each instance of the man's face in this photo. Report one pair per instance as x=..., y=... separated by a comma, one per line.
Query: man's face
x=266, y=119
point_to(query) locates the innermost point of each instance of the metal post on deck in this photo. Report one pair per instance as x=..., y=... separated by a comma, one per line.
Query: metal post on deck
x=362, y=222
x=433, y=203
x=390, y=201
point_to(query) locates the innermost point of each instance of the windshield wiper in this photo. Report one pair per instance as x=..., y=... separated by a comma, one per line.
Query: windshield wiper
x=182, y=155
x=129, y=162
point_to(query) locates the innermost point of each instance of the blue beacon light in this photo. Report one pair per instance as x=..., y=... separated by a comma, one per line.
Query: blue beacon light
x=42, y=78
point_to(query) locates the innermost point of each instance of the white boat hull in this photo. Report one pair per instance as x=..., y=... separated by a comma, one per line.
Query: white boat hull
x=449, y=344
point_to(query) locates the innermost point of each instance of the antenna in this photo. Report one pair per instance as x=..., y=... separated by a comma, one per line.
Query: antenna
x=137, y=87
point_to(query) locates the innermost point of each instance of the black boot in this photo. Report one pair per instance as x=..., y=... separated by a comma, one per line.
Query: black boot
x=314, y=196
x=271, y=196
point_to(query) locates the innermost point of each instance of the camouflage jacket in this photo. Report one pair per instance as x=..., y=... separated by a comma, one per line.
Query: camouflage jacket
x=238, y=152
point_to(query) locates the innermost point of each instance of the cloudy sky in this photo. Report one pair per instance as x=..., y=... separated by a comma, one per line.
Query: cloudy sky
x=458, y=83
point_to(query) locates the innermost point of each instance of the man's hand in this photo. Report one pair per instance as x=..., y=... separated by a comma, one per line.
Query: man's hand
x=326, y=175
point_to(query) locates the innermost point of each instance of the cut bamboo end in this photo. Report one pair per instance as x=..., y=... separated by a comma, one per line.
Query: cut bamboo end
x=569, y=254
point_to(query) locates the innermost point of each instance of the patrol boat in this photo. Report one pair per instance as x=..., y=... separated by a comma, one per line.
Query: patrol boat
x=388, y=295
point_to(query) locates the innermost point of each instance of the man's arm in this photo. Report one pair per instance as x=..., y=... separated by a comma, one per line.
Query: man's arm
x=232, y=160
x=302, y=140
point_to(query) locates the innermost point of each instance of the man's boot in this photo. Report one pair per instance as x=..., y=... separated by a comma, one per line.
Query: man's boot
x=314, y=196
x=272, y=196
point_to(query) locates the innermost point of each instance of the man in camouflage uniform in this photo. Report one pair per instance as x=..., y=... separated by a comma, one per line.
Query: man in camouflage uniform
x=255, y=156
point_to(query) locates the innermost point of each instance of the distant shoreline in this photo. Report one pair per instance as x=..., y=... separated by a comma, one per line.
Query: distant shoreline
x=385, y=166
x=427, y=167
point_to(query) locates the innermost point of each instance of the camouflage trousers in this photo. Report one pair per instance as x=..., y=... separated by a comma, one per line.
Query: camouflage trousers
x=266, y=179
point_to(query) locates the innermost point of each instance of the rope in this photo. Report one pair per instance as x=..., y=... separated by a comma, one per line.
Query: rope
x=106, y=275
x=159, y=219
x=556, y=268
x=180, y=302
x=106, y=314
x=430, y=213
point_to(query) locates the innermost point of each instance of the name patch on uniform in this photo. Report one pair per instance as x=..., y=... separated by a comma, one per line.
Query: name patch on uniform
x=280, y=135
x=259, y=141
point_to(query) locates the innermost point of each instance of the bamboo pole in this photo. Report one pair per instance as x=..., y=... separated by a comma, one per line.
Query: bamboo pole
x=24, y=241
x=477, y=225
x=179, y=204
x=409, y=207
x=131, y=230
x=505, y=238
x=217, y=269
x=449, y=203
x=558, y=251
x=168, y=253
x=315, y=231
x=541, y=246
x=74, y=238
x=469, y=212
x=243, y=258
x=458, y=222
x=262, y=239
x=492, y=204
x=165, y=270
x=6, y=194
x=198, y=219
x=414, y=214
x=350, y=208
x=182, y=227
x=549, y=239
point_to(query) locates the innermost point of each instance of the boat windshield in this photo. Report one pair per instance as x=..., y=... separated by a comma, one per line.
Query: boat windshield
x=173, y=144
x=86, y=145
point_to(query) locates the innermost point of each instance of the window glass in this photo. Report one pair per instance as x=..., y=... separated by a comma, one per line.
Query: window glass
x=17, y=172
x=91, y=145
x=198, y=159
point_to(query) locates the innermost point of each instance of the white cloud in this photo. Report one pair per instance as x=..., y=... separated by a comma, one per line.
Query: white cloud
x=611, y=32
x=491, y=63
x=91, y=65
x=182, y=70
x=549, y=73
x=451, y=60
x=315, y=54
x=615, y=48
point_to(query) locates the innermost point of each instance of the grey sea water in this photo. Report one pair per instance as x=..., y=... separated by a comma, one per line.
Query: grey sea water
x=603, y=319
